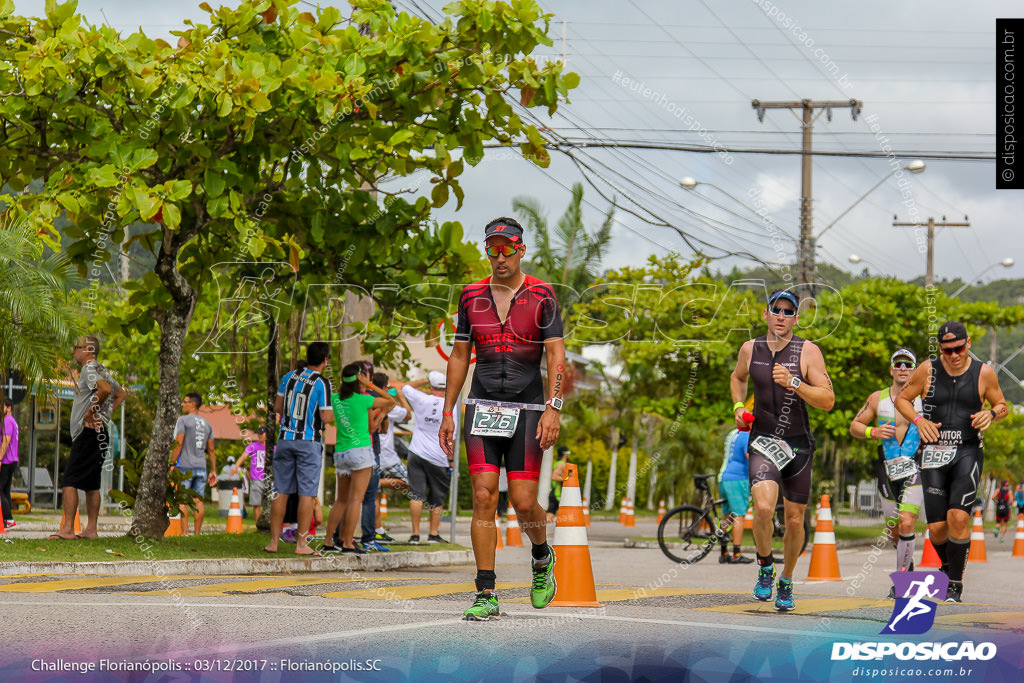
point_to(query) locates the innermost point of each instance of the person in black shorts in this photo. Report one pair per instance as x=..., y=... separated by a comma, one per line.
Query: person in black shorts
x=789, y=374
x=951, y=458
x=512, y=319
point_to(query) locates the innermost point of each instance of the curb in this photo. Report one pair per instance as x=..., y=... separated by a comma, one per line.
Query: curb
x=246, y=565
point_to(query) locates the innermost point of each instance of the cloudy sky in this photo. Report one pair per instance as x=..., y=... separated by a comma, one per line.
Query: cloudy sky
x=925, y=71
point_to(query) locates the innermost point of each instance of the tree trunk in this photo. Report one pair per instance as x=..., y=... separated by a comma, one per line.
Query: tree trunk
x=150, y=518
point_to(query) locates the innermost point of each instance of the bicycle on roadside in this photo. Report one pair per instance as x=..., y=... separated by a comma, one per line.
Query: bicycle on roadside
x=689, y=532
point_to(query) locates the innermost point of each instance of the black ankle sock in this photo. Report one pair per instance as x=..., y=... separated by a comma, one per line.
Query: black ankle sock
x=765, y=560
x=539, y=552
x=485, y=580
x=735, y=550
x=956, y=550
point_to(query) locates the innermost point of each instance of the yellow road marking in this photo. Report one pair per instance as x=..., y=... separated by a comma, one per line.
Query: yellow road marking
x=91, y=582
x=413, y=592
x=265, y=584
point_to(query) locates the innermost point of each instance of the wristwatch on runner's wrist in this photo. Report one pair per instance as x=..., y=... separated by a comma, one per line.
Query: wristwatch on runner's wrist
x=795, y=382
x=555, y=403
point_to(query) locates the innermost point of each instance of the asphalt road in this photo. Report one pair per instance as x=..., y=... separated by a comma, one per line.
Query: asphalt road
x=658, y=620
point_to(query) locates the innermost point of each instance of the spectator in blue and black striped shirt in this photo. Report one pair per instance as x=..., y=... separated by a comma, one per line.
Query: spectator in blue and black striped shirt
x=302, y=402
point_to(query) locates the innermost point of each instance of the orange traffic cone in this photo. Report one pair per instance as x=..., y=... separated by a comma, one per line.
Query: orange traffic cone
x=1018, y=539
x=586, y=512
x=383, y=506
x=174, y=526
x=497, y=527
x=817, y=509
x=78, y=521
x=630, y=519
x=574, y=574
x=748, y=519
x=513, y=536
x=661, y=510
x=977, y=551
x=824, y=558
x=234, y=525
x=622, y=511
x=929, y=558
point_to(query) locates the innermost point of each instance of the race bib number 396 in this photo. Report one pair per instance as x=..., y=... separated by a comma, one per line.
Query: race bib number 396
x=933, y=457
x=494, y=421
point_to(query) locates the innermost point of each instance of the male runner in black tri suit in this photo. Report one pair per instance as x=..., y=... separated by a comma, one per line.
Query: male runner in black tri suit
x=511, y=318
x=788, y=374
x=951, y=456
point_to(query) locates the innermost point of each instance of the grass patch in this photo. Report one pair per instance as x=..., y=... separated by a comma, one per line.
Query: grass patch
x=123, y=548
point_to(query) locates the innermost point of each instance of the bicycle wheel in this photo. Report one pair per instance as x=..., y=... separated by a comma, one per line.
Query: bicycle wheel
x=686, y=534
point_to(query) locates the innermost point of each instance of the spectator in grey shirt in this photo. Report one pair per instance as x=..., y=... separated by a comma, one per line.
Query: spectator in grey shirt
x=97, y=394
x=193, y=437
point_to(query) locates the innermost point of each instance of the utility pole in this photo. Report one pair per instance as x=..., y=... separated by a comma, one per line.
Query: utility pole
x=929, y=276
x=805, y=256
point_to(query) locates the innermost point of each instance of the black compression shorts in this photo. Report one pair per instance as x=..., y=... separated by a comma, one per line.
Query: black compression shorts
x=795, y=477
x=520, y=454
x=953, y=486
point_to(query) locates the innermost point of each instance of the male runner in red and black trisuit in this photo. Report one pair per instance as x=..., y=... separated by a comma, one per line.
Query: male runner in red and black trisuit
x=512, y=319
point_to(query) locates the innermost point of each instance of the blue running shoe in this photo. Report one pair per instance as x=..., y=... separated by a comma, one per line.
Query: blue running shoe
x=784, y=601
x=763, y=587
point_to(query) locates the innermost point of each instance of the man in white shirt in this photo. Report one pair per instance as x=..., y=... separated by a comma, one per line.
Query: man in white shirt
x=429, y=467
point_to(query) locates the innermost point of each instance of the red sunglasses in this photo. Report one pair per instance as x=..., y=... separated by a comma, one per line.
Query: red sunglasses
x=950, y=350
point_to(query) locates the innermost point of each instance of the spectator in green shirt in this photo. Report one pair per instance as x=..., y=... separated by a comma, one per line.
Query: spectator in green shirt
x=353, y=452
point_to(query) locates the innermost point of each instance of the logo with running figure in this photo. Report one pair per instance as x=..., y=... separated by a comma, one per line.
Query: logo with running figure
x=916, y=595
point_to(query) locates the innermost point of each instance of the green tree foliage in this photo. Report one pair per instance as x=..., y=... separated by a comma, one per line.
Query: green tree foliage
x=261, y=135
x=37, y=320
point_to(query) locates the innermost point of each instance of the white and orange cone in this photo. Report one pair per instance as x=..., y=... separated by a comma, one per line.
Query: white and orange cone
x=929, y=558
x=630, y=519
x=497, y=527
x=383, y=506
x=748, y=519
x=78, y=521
x=824, y=558
x=174, y=526
x=513, y=536
x=234, y=525
x=622, y=511
x=574, y=574
x=586, y=512
x=1018, y=539
x=977, y=551
x=661, y=510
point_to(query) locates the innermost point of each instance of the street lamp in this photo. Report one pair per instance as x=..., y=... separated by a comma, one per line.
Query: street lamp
x=1005, y=263
x=691, y=183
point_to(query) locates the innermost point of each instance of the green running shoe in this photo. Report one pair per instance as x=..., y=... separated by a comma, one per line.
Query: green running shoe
x=543, y=590
x=784, y=601
x=484, y=608
x=763, y=587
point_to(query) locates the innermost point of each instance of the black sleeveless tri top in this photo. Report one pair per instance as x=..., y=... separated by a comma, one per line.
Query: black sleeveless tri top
x=951, y=401
x=778, y=411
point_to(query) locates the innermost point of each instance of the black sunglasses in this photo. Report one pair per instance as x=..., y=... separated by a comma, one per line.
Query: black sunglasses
x=784, y=312
x=950, y=350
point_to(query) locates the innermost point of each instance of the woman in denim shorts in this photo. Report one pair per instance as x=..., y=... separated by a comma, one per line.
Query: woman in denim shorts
x=353, y=452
